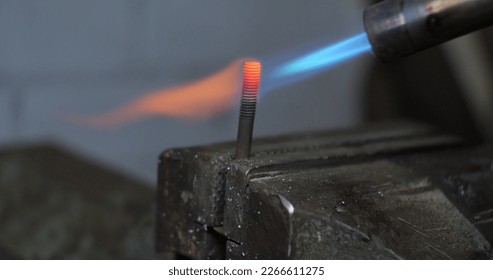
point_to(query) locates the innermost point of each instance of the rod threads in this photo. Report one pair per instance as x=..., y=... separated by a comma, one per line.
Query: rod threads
x=251, y=81
x=249, y=93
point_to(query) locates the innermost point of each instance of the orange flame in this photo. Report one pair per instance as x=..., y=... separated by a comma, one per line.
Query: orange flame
x=198, y=99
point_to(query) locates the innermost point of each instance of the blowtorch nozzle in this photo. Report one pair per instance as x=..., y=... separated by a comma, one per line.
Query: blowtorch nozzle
x=398, y=28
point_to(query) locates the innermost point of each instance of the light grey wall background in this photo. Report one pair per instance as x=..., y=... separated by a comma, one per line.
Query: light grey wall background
x=59, y=56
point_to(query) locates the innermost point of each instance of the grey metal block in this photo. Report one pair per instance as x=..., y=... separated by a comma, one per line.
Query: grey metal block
x=377, y=192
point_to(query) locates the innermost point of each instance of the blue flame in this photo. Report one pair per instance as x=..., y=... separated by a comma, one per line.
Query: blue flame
x=325, y=57
x=316, y=61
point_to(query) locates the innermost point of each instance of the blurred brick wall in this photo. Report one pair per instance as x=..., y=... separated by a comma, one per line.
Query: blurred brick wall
x=59, y=57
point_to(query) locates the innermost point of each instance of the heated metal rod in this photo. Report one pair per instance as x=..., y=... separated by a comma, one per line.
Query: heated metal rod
x=251, y=81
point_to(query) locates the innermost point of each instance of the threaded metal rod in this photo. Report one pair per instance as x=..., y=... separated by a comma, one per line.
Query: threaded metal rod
x=251, y=81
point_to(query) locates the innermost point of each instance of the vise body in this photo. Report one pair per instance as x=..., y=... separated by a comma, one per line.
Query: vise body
x=389, y=191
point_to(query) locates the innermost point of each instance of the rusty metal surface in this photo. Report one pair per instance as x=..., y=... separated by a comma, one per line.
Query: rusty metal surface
x=389, y=191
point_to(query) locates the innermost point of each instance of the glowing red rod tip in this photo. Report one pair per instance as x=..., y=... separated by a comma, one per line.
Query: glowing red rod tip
x=251, y=81
x=251, y=77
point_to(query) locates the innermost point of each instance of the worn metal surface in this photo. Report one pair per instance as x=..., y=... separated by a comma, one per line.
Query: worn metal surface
x=190, y=201
x=390, y=191
x=425, y=206
x=55, y=205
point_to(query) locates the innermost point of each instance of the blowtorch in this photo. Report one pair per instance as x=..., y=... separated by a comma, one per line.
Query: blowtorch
x=398, y=28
